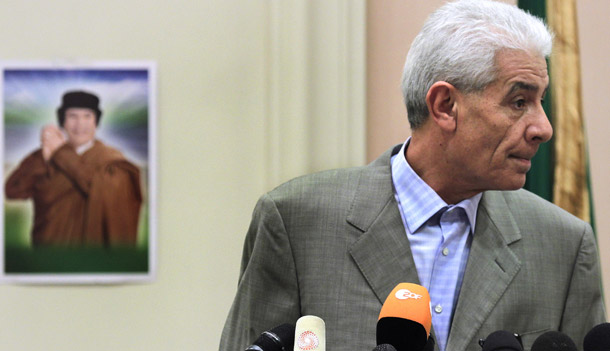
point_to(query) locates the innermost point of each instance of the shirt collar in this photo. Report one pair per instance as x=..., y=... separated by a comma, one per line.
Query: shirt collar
x=83, y=148
x=418, y=200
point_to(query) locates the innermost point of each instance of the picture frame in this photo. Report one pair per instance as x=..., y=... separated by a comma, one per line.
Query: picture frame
x=42, y=240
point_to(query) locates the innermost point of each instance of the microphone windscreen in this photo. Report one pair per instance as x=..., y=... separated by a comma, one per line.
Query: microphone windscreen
x=405, y=319
x=384, y=347
x=310, y=334
x=598, y=338
x=279, y=338
x=554, y=341
x=430, y=344
x=502, y=340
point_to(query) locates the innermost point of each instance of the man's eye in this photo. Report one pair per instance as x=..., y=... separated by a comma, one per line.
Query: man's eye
x=519, y=104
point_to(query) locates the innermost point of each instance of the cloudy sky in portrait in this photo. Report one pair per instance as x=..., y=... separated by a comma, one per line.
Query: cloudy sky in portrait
x=31, y=96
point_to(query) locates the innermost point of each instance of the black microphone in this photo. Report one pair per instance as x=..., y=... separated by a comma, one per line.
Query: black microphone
x=598, y=338
x=501, y=340
x=430, y=344
x=280, y=338
x=384, y=347
x=387, y=347
x=554, y=341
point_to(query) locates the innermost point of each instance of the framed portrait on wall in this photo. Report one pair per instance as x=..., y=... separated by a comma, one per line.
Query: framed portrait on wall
x=79, y=178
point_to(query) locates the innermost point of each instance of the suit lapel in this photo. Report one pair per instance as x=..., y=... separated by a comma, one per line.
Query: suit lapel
x=382, y=252
x=491, y=267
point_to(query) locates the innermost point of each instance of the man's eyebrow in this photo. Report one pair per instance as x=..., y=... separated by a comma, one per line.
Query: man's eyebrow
x=525, y=86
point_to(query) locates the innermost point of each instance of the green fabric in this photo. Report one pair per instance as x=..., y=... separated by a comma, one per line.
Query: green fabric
x=535, y=7
x=539, y=179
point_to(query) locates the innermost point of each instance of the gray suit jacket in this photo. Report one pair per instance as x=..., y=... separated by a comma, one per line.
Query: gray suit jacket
x=333, y=244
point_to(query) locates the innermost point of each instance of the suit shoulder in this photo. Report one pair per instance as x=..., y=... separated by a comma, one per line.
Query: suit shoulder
x=340, y=180
x=329, y=183
x=33, y=160
x=108, y=153
x=36, y=154
x=527, y=206
x=531, y=202
x=105, y=155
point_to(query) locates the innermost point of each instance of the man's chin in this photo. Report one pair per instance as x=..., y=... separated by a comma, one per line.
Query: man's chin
x=77, y=143
x=515, y=182
x=517, y=185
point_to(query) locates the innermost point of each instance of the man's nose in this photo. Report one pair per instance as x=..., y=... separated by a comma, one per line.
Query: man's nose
x=540, y=129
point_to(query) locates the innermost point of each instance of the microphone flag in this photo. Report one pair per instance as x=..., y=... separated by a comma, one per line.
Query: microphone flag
x=310, y=334
x=405, y=319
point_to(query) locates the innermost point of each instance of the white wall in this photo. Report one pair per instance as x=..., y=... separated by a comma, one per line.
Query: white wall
x=250, y=93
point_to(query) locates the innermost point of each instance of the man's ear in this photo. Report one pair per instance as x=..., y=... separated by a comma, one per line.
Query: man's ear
x=441, y=102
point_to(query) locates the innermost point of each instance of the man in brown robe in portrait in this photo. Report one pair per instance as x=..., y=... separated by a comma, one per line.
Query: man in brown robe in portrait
x=85, y=193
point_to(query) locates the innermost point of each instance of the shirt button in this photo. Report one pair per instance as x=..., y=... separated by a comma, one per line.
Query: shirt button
x=438, y=308
x=445, y=251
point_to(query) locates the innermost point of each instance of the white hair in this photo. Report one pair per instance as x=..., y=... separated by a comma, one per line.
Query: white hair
x=458, y=44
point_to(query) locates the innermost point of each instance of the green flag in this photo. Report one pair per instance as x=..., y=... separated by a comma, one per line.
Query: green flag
x=560, y=169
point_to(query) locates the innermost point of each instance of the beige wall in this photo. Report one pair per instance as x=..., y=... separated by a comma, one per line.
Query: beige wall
x=392, y=25
x=250, y=93
x=595, y=49
x=211, y=107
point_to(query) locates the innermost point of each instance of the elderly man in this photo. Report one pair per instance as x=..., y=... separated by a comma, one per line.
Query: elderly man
x=443, y=210
x=85, y=193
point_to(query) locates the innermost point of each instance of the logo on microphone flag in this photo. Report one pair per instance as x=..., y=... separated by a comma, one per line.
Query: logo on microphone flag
x=308, y=341
x=404, y=294
x=310, y=334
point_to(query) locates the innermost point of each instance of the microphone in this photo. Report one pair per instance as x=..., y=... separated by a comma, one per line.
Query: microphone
x=384, y=347
x=430, y=344
x=598, y=338
x=279, y=338
x=502, y=340
x=310, y=334
x=405, y=319
x=554, y=341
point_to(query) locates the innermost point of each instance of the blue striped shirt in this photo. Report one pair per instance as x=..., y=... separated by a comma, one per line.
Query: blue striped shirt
x=439, y=235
